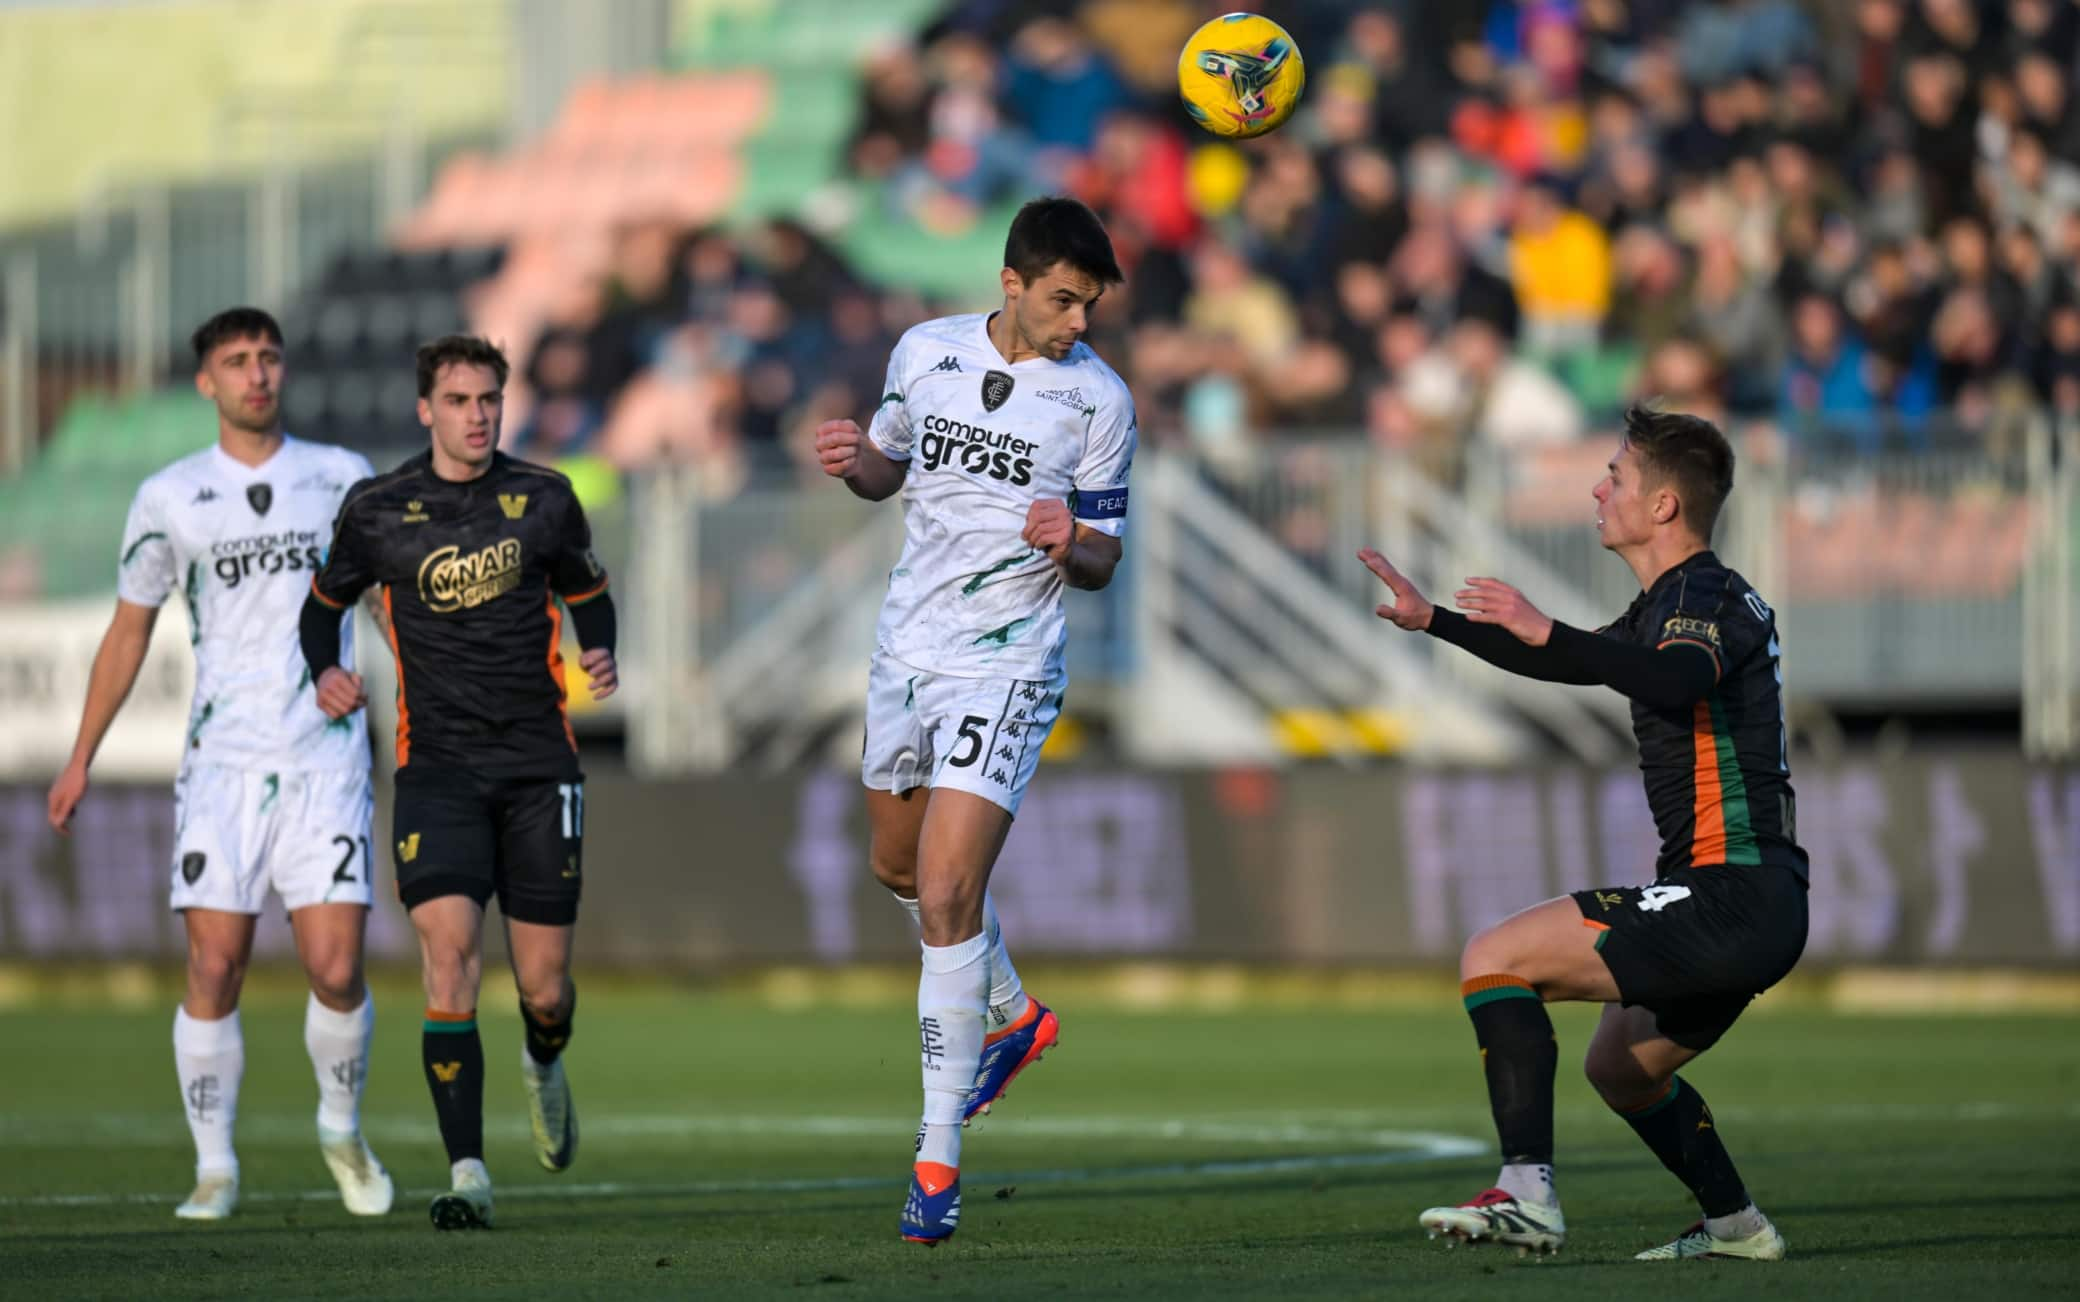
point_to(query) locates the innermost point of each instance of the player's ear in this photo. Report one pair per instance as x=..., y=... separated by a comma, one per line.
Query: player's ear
x=1013, y=283
x=205, y=383
x=425, y=413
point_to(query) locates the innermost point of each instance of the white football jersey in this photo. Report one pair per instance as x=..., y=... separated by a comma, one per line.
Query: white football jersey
x=985, y=439
x=241, y=544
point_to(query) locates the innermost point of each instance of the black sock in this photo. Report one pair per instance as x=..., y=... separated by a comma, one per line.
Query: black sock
x=545, y=1040
x=1519, y=1054
x=454, y=1058
x=1680, y=1129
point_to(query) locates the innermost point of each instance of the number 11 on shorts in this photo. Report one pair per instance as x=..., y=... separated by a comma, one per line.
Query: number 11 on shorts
x=573, y=794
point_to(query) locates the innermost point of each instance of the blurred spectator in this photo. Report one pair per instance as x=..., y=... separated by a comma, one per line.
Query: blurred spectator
x=1560, y=266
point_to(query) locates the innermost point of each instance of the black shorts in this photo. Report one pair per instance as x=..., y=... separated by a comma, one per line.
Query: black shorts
x=1698, y=944
x=462, y=833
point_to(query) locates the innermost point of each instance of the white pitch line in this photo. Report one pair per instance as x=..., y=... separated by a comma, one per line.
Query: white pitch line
x=1420, y=1146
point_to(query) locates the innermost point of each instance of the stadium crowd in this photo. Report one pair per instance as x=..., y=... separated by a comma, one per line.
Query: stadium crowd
x=1860, y=222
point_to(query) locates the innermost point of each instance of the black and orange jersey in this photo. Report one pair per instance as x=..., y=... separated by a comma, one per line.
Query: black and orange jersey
x=471, y=575
x=1718, y=775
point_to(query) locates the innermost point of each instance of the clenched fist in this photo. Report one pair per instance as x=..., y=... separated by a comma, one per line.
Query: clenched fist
x=837, y=447
x=1050, y=528
x=340, y=693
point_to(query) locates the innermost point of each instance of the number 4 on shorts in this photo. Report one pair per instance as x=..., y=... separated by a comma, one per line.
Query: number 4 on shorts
x=1656, y=898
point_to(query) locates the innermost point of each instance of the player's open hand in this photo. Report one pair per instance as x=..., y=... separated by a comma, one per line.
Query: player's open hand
x=340, y=693
x=1409, y=609
x=1491, y=601
x=837, y=447
x=598, y=664
x=1050, y=528
x=66, y=793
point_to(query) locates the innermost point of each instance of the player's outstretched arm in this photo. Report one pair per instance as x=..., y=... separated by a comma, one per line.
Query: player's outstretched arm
x=1087, y=557
x=845, y=453
x=1412, y=611
x=116, y=663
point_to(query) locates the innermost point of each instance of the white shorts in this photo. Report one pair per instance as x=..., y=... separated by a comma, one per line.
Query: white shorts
x=980, y=735
x=241, y=832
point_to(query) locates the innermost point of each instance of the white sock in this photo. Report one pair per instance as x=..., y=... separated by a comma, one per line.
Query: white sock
x=1529, y=1182
x=1007, y=994
x=1747, y=1221
x=952, y=999
x=210, y=1058
x=338, y=1044
x=468, y=1166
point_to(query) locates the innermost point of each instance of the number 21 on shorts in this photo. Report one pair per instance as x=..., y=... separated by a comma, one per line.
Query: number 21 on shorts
x=1656, y=898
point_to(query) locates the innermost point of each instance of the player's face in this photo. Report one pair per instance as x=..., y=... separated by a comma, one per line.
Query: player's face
x=1054, y=310
x=244, y=378
x=1624, y=507
x=463, y=411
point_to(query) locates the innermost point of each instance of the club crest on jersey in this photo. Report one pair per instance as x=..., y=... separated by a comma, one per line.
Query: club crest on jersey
x=261, y=496
x=996, y=390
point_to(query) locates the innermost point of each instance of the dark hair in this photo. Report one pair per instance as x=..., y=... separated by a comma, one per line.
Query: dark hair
x=464, y=350
x=1686, y=452
x=233, y=323
x=1054, y=229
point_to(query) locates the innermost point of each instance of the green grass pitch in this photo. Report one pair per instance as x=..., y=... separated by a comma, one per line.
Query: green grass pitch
x=734, y=1150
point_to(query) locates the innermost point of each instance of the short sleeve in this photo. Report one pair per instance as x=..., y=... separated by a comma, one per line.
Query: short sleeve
x=147, y=572
x=575, y=570
x=1108, y=456
x=349, y=569
x=890, y=429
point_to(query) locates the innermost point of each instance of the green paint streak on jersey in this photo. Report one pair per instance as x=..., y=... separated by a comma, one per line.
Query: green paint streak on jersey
x=131, y=551
x=193, y=592
x=274, y=788
x=195, y=731
x=1006, y=635
x=978, y=582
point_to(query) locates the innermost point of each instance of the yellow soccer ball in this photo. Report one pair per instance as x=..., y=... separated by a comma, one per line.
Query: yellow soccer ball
x=1240, y=75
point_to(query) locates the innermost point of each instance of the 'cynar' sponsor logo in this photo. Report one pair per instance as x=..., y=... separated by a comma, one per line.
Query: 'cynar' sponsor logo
x=974, y=450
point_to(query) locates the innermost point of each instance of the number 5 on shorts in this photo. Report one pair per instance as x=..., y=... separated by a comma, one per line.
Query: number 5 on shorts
x=1656, y=898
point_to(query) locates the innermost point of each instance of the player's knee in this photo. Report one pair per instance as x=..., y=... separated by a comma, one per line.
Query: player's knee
x=896, y=872
x=1619, y=1079
x=214, y=978
x=548, y=997
x=1487, y=953
x=336, y=979
x=451, y=975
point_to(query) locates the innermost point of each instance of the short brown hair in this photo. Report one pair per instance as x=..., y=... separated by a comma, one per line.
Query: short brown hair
x=233, y=323
x=1689, y=454
x=465, y=350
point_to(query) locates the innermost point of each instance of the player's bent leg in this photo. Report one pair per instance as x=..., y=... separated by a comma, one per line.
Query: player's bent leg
x=1507, y=973
x=1633, y=1066
x=338, y=1026
x=895, y=822
x=209, y=1054
x=548, y=1002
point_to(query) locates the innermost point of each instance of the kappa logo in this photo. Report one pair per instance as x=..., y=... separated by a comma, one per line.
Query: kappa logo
x=446, y=1072
x=513, y=504
x=192, y=864
x=261, y=496
x=570, y=866
x=948, y=363
x=207, y=494
x=415, y=512
x=996, y=390
x=408, y=849
x=1609, y=900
